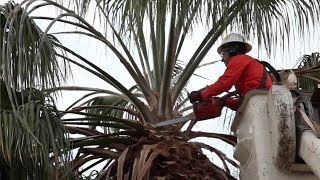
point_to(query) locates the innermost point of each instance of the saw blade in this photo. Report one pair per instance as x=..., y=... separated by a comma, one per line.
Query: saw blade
x=175, y=121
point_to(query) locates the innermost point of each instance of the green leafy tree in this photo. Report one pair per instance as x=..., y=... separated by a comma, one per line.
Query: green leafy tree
x=116, y=126
x=32, y=135
x=308, y=71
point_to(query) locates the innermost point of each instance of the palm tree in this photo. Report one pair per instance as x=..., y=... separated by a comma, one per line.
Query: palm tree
x=116, y=127
x=308, y=71
x=32, y=136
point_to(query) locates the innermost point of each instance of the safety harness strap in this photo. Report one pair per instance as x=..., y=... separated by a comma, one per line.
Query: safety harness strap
x=264, y=79
x=264, y=76
x=271, y=69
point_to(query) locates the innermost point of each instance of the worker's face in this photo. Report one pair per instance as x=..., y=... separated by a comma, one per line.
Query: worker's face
x=225, y=56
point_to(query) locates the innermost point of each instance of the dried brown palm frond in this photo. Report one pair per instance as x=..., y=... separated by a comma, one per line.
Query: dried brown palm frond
x=159, y=156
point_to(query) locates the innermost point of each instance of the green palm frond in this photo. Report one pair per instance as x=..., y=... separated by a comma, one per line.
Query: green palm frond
x=130, y=18
x=308, y=71
x=122, y=108
x=27, y=57
x=32, y=136
x=33, y=141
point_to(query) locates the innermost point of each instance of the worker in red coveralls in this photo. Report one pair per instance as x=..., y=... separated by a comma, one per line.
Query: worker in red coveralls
x=243, y=72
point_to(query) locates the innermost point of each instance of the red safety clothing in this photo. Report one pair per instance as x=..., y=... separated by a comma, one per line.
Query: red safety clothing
x=243, y=72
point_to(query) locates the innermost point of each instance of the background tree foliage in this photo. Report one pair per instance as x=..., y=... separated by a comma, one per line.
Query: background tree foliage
x=308, y=71
x=116, y=126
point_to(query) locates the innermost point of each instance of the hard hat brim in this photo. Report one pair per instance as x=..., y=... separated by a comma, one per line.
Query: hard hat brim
x=248, y=46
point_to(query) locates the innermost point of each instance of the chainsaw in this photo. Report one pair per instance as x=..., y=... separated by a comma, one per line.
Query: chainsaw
x=202, y=110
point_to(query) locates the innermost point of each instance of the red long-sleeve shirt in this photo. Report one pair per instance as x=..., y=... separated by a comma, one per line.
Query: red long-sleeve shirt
x=243, y=72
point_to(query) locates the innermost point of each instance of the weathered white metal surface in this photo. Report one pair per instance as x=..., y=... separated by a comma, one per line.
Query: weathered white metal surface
x=243, y=150
x=282, y=124
x=246, y=134
x=239, y=117
x=253, y=129
x=309, y=151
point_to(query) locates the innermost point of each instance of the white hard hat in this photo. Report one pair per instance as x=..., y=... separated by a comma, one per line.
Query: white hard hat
x=233, y=37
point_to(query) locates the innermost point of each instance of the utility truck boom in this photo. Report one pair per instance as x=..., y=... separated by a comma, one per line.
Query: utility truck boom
x=277, y=133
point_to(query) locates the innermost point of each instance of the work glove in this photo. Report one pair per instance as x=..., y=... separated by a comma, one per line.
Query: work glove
x=195, y=96
x=233, y=103
x=218, y=102
x=223, y=101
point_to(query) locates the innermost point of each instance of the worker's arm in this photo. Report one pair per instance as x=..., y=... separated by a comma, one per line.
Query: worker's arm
x=235, y=68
